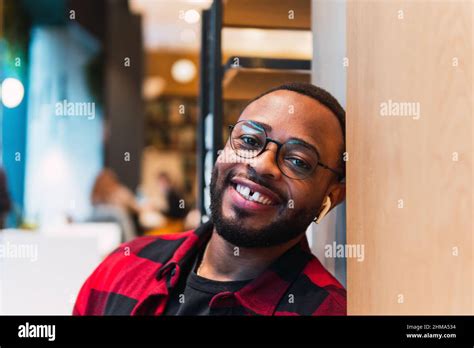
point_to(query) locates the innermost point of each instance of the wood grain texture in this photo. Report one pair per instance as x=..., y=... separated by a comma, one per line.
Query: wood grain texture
x=409, y=250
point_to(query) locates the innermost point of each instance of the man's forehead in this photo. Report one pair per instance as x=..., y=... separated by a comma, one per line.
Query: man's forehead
x=292, y=110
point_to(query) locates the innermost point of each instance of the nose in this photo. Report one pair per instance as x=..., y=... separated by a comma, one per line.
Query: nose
x=265, y=164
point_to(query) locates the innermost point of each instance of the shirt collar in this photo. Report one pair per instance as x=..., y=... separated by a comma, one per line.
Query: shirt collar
x=188, y=250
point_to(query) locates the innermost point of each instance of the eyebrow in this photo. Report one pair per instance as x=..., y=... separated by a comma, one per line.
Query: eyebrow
x=268, y=128
x=263, y=125
x=304, y=143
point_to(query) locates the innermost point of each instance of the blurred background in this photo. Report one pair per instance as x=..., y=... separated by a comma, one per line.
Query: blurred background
x=112, y=113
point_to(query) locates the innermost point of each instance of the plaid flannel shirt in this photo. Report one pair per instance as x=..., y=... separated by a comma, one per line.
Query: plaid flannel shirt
x=138, y=277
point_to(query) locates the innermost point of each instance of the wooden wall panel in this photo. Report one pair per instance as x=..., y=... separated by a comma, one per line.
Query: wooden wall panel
x=409, y=201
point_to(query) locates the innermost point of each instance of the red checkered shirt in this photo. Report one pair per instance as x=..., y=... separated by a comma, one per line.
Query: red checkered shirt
x=138, y=277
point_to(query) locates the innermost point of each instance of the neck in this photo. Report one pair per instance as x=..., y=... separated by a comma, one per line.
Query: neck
x=223, y=261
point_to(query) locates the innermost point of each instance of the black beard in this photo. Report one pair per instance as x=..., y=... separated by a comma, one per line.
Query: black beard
x=286, y=227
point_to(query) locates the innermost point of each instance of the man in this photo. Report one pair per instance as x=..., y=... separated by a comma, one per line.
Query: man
x=280, y=169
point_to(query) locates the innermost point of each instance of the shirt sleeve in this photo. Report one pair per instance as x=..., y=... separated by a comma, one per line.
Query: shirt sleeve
x=94, y=292
x=82, y=299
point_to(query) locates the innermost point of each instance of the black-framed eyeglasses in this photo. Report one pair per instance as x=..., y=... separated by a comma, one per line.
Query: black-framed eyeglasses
x=295, y=159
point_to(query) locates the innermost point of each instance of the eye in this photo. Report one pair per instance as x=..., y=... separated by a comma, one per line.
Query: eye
x=249, y=140
x=299, y=163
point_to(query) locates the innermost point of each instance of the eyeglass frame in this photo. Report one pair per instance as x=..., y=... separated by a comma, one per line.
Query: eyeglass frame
x=279, y=146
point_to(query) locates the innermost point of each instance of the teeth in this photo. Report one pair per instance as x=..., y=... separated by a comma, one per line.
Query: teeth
x=256, y=197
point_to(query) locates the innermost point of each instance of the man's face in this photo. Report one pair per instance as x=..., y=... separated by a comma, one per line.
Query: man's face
x=288, y=205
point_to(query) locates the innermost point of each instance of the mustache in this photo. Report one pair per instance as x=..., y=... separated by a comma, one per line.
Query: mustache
x=252, y=175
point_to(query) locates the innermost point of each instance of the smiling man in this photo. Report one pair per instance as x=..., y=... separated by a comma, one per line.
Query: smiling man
x=280, y=170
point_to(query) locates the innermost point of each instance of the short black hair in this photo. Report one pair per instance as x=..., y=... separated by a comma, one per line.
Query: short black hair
x=320, y=95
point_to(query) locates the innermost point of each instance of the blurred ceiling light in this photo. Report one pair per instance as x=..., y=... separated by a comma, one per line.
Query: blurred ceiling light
x=153, y=87
x=192, y=16
x=144, y=6
x=183, y=71
x=12, y=92
x=163, y=22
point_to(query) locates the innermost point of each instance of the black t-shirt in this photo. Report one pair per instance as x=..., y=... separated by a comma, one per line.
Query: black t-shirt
x=193, y=296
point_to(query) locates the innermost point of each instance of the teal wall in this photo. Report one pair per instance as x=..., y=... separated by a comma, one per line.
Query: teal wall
x=13, y=133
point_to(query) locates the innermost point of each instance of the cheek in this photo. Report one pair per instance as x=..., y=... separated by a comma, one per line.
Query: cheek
x=304, y=196
x=226, y=158
x=223, y=169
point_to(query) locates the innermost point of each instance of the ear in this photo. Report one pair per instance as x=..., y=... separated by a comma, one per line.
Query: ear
x=337, y=193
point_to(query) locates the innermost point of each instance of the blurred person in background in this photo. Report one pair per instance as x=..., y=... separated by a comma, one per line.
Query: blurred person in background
x=113, y=202
x=165, y=213
x=5, y=204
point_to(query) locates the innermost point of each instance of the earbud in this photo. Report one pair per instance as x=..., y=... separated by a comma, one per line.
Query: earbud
x=326, y=206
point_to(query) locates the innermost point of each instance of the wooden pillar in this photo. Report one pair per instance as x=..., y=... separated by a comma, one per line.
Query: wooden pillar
x=409, y=138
